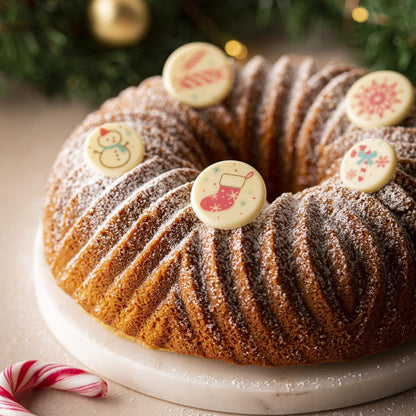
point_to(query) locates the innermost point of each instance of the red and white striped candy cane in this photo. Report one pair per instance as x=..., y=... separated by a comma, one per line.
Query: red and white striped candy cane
x=33, y=374
x=363, y=168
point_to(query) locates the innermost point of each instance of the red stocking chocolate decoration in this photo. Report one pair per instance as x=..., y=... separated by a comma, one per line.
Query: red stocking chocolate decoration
x=230, y=187
x=228, y=194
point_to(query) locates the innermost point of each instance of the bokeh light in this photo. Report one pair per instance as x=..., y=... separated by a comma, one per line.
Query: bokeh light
x=236, y=49
x=360, y=14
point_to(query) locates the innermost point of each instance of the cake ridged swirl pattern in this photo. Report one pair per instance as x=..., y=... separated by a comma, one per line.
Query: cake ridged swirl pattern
x=324, y=273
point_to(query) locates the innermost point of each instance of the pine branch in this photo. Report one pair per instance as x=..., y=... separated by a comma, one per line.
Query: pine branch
x=48, y=43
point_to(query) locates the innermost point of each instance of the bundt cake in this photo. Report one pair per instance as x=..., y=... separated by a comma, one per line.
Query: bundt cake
x=324, y=273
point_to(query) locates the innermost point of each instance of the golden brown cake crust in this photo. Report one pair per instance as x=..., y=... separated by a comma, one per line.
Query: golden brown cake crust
x=324, y=274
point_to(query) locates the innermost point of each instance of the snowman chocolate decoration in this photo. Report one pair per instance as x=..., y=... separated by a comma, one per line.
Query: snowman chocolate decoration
x=113, y=149
x=114, y=153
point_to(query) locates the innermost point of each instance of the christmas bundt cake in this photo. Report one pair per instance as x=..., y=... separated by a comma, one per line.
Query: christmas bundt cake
x=323, y=271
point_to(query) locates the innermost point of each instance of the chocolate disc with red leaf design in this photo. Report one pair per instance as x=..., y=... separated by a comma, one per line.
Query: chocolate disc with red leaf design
x=198, y=74
x=381, y=98
x=368, y=165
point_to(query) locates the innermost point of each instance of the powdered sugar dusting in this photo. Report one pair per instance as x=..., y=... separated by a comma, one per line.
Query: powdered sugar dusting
x=323, y=275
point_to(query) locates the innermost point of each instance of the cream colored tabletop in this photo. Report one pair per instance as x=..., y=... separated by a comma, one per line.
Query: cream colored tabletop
x=32, y=130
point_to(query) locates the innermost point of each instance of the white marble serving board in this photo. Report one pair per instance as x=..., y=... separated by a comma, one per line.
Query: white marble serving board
x=214, y=385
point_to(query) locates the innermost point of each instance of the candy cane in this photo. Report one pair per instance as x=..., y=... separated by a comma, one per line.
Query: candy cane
x=364, y=166
x=363, y=170
x=362, y=147
x=33, y=374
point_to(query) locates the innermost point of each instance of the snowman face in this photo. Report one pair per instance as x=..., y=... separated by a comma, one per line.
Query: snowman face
x=112, y=137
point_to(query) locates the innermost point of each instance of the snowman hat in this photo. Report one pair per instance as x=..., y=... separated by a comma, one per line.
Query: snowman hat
x=103, y=132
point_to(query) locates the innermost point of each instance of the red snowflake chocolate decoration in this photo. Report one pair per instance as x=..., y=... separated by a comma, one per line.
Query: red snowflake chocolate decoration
x=381, y=98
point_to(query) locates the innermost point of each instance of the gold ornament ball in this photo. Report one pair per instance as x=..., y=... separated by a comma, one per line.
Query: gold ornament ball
x=119, y=22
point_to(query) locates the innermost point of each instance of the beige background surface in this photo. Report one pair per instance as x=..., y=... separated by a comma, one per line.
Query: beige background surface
x=32, y=130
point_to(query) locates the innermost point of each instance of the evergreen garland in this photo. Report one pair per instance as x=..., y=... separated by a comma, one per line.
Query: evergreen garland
x=388, y=39
x=48, y=44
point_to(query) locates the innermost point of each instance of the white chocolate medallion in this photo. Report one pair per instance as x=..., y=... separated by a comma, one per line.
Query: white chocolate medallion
x=198, y=74
x=381, y=98
x=113, y=149
x=228, y=194
x=368, y=165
